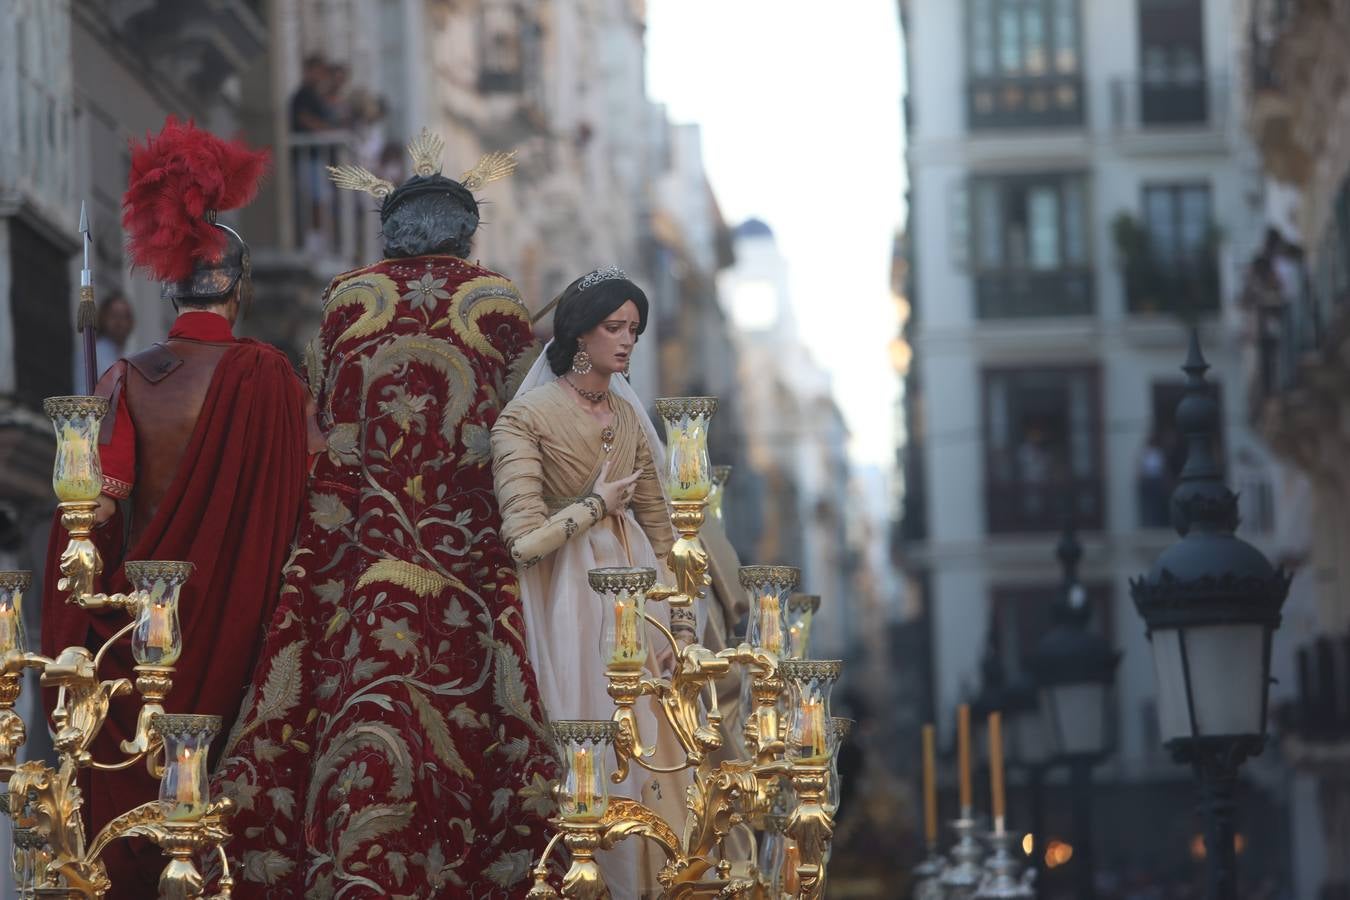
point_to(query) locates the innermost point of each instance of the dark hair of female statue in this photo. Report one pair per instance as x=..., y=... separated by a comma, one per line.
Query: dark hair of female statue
x=578, y=311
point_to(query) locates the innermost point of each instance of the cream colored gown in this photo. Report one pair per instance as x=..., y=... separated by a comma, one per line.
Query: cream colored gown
x=546, y=454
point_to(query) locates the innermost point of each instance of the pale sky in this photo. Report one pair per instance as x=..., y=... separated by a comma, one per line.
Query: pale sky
x=799, y=104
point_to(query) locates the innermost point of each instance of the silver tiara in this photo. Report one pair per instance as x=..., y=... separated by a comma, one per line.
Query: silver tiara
x=610, y=273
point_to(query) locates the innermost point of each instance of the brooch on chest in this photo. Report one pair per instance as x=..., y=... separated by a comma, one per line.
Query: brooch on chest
x=607, y=438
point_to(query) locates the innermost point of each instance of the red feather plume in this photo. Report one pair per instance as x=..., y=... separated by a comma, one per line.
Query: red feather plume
x=176, y=178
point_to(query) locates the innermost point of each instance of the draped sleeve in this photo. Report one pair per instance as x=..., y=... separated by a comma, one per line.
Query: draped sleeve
x=518, y=478
x=649, y=501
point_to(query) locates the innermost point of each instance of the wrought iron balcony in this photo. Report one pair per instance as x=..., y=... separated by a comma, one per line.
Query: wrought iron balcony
x=1186, y=289
x=1029, y=294
x=1172, y=104
x=1051, y=101
x=1017, y=506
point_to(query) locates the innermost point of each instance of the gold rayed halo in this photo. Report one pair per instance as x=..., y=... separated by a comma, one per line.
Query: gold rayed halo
x=425, y=150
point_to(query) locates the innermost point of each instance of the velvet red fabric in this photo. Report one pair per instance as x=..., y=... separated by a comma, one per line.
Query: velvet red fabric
x=394, y=744
x=231, y=511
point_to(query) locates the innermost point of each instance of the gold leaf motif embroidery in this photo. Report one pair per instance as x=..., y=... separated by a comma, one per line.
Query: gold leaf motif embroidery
x=375, y=737
x=376, y=294
x=460, y=384
x=281, y=690
x=413, y=488
x=439, y=733
x=508, y=688
x=371, y=822
x=479, y=297
x=422, y=582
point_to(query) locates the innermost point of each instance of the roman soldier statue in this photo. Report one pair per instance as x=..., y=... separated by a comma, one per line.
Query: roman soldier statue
x=393, y=743
x=204, y=457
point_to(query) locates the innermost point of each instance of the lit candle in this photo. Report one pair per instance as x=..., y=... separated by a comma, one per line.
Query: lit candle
x=583, y=764
x=188, y=792
x=813, y=747
x=160, y=636
x=792, y=857
x=930, y=824
x=76, y=476
x=963, y=754
x=626, y=648
x=771, y=623
x=9, y=628
x=996, y=768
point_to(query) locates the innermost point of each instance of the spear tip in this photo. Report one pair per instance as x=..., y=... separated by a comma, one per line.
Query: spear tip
x=84, y=219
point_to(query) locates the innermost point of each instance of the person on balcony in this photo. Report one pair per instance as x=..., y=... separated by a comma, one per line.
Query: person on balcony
x=204, y=455
x=392, y=742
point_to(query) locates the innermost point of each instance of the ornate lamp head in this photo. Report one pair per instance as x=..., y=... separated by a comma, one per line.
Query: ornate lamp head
x=587, y=746
x=12, y=588
x=183, y=791
x=77, y=475
x=157, y=639
x=623, y=628
x=1211, y=602
x=689, y=474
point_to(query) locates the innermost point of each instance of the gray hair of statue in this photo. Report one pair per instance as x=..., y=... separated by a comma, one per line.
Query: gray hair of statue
x=428, y=224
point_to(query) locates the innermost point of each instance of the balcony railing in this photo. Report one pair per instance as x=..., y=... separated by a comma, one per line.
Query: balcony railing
x=1054, y=101
x=1184, y=289
x=1174, y=104
x=328, y=223
x=1014, y=506
x=1030, y=294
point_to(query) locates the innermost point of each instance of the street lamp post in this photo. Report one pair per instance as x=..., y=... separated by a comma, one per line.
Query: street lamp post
x=1075, y=670
x=1210, y=605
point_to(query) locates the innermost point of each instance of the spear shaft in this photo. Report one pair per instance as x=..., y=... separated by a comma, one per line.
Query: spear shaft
x=88, y=313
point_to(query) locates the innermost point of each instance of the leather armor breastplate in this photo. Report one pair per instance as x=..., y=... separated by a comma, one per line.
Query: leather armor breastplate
x=166, y=386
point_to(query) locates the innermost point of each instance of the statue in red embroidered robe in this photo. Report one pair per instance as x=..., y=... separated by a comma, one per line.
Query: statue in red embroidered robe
x=204, y=455
x=393, y=743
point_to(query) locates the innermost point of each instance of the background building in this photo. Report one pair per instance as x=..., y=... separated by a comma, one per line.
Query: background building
x=1081, y=191
x=1296, y=101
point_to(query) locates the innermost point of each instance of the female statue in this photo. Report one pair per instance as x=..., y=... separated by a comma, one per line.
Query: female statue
x=575, y=461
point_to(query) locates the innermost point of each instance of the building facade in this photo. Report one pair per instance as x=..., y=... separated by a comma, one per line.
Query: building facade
x=1081, y=192
x=1297, y=299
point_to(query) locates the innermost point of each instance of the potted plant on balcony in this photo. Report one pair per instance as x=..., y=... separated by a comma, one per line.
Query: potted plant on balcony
x=1185, y=288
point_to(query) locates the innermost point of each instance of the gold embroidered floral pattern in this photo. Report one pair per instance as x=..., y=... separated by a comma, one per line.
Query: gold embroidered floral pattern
x=392, y=743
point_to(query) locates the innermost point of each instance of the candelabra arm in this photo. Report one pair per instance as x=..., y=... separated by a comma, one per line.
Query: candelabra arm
x=54, y=806
x=82, y=700
x=541, y=889
x=812, y=827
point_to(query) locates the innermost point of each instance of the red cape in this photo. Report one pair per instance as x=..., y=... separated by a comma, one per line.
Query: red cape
x=231, y=511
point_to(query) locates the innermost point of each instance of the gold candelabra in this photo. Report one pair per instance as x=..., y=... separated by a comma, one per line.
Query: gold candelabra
x=52, y=855
x=783, y=788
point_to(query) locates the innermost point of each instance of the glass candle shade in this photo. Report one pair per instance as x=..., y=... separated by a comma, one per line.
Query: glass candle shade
x=688, y=469
x=720, y=474
x=809, y=684
x=183, y=791
x=77, y=475
x=769, y=587
x=157, y=639
x=801, y=609
x=839, y=730
x=587, y=748
x=12, y=588
x=623, y=630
